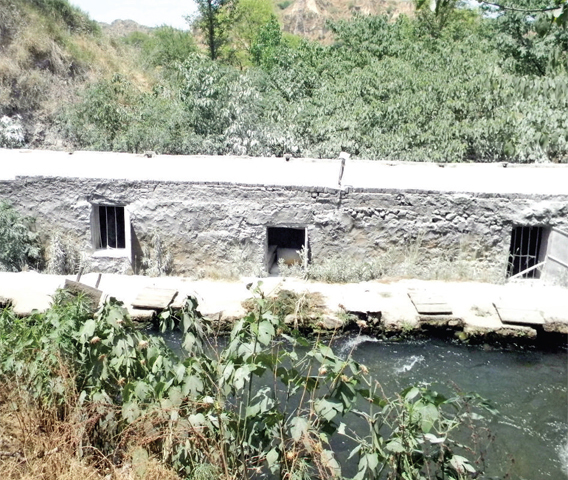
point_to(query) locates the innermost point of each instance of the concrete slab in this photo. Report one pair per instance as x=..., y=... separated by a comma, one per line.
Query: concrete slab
x=471, y=302
x=546, y=179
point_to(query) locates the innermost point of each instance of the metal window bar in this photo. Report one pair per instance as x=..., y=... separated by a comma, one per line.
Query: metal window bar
x=111, y=228
x=524, y=252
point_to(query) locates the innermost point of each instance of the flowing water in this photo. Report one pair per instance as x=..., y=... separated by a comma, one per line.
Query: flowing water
x=528, y=387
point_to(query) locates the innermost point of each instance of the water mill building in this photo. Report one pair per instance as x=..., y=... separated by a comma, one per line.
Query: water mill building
x=245, y=216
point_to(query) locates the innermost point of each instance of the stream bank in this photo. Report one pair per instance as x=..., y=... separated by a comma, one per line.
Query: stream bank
x=470, y=311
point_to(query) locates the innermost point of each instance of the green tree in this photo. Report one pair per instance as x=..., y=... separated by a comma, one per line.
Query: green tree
x=247, y=21
x=437, y=13
x=530, y=38
x=213, y=22
x=266, y=43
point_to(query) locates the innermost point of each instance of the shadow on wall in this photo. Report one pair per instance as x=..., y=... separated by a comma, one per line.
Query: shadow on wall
x=137, y=252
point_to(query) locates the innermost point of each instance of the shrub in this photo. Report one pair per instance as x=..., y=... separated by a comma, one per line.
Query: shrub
x=75, y=19
x=11, y=132
x=269, y=401
x=19, y=246
x=164, y=46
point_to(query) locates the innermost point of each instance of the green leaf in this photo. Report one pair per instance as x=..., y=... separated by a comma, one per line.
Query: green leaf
x=189, y=342
x=327, y=409
x=265, y=332
x=272, y=458
x=411, y=393
x=396, y=446
x=298, y=428
x=192, y=385
x=433, y=439
x=176, y=396
x=142, y=390
x=428, y=414
x=242, y=375
x=197, y=420
x=130, y=411
x=88, y=329
x=369, y=461
x=461, y=464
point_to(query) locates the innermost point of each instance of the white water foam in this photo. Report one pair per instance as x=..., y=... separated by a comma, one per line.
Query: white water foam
x=352, y=343
x=408, y=364
x=562, y=450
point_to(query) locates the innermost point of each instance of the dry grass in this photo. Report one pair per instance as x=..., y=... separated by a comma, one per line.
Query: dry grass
x=36, y=444
x=466, y=261
x=43, y=66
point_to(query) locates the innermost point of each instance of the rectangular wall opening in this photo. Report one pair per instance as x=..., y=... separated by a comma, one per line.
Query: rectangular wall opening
x=284, y=244
x=527, y=251
x=110, y=227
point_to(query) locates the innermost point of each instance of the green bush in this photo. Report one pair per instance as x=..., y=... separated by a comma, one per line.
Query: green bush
x=164, y=46
x=75, y=19
x=19, y=246
x=269, y=401
x=383, y=90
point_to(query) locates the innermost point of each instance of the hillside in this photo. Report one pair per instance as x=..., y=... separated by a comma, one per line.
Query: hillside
x=48, y=51
x=308, y=17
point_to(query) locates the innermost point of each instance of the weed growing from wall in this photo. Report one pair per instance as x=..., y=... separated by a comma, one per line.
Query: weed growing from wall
x=64, y=257
x=157, y=259
x=11, y=132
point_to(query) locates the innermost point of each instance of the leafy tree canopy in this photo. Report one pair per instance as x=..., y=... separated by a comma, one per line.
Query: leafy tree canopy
x=473, y=87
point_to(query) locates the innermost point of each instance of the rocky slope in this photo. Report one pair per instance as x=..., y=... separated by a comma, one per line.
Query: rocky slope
x=308, y=17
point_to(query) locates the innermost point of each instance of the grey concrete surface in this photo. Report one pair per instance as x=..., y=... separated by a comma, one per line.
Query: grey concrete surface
x=549, y=179
x=472, y=303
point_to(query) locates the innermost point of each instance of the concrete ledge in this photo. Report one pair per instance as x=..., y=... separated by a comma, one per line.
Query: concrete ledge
x=385, y=305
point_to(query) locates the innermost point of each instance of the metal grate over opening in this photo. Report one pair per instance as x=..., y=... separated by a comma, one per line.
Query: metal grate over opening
x=112, y=229
x=524, y=252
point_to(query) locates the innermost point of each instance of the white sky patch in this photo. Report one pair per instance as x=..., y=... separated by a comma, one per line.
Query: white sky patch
x=151, y=13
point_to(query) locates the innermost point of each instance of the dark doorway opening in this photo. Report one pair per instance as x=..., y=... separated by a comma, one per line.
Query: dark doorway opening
x=285, y=245
x=527, y=249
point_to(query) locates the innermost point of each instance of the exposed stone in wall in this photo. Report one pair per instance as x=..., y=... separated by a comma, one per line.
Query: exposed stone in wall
x=222, y=228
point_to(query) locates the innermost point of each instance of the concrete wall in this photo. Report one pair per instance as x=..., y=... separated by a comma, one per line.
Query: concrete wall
x=221, y=228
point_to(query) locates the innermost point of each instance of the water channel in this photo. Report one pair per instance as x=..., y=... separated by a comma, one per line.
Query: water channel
x=528, y=387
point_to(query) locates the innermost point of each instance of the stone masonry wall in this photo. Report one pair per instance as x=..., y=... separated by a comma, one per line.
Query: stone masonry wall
x=221, y=228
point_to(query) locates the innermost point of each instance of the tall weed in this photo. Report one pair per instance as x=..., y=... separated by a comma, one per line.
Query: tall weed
x=19, y=245
x=268, y=403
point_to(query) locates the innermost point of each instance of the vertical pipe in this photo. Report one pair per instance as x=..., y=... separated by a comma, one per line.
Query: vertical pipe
x=536, y=273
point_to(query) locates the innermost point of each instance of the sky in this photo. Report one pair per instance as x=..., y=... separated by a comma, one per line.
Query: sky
x=151, y=13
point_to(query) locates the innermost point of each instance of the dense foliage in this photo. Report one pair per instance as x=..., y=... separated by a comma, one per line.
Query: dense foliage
x=461, y=86
x=19, y=244
x=268, y=401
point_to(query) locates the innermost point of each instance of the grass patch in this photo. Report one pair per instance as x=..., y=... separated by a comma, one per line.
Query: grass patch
x=300, y=310
x=411, y=261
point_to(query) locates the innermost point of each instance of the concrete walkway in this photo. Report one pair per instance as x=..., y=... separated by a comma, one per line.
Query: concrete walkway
x=472, y=304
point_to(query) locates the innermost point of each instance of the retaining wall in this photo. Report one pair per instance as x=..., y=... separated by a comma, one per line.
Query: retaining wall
x=221, y=228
